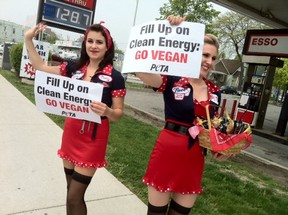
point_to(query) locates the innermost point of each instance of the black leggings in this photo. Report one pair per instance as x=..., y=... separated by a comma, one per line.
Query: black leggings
x=174, y=209
x=77, y=185
x=156, y=210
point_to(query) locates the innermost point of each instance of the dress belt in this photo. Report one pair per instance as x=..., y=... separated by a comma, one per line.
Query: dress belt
x=181, y=129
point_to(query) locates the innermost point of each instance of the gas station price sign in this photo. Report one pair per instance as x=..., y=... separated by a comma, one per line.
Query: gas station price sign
x=70, y=15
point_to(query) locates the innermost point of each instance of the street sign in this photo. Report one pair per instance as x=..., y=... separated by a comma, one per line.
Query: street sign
x=69, y=15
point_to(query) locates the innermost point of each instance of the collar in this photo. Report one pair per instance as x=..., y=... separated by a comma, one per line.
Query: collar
x=107, y=70
x=211, y=86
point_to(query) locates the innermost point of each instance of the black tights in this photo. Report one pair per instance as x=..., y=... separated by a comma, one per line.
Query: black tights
x=174, y=209
x=76, y=188
x=156, y=210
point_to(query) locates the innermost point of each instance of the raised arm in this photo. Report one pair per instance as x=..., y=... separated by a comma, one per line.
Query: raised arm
x=153, y=80
x=34, y=57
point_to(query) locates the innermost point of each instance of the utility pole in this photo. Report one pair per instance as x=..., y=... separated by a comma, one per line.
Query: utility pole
x=135, y=14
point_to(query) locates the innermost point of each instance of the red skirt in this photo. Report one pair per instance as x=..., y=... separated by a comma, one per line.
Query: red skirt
x=80, y=148
x=173, y=167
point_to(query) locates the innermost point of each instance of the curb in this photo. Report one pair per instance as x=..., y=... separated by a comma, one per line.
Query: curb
x=270, y=136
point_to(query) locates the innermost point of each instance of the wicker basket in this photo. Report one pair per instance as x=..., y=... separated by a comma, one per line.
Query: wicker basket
x=207, y=135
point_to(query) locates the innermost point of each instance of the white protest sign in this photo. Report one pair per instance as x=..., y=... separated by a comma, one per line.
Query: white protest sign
x=158, y=47
x=66, y=96
x=26, y=68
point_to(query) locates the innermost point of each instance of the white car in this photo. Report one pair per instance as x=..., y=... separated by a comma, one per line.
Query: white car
x=67, y=54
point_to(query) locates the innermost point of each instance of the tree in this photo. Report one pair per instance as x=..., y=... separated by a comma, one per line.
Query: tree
x=281, y=79
x=231, y=30
x=16, y=56
x=52, y=39
x=195, y=11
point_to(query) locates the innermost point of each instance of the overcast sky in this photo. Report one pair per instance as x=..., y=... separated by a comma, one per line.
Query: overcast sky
x=118, y=15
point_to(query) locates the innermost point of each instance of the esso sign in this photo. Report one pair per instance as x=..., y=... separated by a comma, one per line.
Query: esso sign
x=264, y=41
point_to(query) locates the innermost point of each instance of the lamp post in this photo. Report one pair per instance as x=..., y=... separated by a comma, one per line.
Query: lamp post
x=135, y=14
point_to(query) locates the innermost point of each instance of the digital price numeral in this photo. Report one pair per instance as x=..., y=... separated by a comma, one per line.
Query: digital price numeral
x=72, y=16
x=67, y=15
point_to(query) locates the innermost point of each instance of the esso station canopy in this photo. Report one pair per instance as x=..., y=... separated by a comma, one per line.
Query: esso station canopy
x=270, y=12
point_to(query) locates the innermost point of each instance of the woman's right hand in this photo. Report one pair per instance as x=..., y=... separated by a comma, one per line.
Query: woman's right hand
x=33, y=32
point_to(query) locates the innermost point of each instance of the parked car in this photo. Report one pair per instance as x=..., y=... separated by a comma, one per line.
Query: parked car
x=229, y=90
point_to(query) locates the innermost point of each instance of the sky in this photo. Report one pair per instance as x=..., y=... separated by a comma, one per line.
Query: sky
x=118, y=15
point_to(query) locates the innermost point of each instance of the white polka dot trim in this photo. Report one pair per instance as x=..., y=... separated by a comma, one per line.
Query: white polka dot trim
x=168, y=189
x=119, y=93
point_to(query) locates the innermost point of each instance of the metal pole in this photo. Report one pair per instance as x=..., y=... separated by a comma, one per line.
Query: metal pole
x=136, y=9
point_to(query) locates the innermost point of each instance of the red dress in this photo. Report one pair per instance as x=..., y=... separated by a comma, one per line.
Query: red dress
x=79, y=148
x=173, y=166
x=84, y=143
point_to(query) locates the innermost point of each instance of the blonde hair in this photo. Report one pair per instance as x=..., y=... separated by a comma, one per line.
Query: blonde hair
x=212, y=40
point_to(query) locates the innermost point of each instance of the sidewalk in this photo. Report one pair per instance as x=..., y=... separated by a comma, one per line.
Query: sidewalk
x=32, y=180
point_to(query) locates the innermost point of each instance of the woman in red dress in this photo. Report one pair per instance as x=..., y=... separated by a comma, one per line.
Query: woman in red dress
x=84, y=143
x=175, y=169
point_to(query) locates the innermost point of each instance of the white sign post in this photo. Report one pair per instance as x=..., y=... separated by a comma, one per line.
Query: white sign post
x=66, y=96
x=26, y=68
x=158, y=47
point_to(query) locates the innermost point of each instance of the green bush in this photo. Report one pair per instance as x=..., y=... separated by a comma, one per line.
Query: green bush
x=15, y=56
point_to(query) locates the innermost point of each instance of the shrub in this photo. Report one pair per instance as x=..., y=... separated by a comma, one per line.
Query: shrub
x=15, y=56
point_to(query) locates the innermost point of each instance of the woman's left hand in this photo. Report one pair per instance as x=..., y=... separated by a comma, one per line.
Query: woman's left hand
x=99, y=108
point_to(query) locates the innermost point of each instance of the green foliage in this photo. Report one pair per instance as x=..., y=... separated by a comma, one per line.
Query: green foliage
x=15, y=56
x=231, y=30
x=52, y=39
x=118, y=51
x=281, y=76
x=50, y=56
x=200, y=11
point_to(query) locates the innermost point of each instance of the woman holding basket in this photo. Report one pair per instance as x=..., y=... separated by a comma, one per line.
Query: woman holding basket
x=175, y=169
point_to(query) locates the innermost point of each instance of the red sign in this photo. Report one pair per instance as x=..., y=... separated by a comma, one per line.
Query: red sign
x=89, y=4
x=271, y=42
